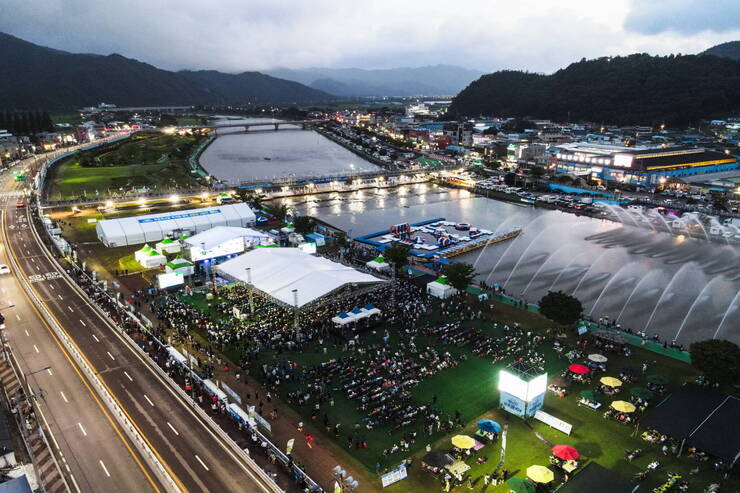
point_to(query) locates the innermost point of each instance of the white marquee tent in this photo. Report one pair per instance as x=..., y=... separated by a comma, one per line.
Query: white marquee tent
x=278, y=271
x=440, y=288
x=154, y=227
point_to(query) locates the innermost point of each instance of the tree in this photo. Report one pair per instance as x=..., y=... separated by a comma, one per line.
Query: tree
x=277, y=210
x=719, y=201
x=537, y=171
x=561, y=308
x=460, y=275
x=254, y=200
x=718, y=359
x=397, y=255
x=510, y=179
x=304, y=224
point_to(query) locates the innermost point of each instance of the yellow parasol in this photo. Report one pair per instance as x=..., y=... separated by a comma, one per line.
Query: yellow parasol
x=540, y=474
x=463, y=441
x=624, y=406
x=611, y=381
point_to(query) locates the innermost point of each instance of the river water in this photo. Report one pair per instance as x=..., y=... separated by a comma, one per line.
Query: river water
x=264, y=154
x=680, y=288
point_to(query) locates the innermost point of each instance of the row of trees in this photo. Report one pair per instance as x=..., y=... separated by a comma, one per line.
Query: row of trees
x=26, y=122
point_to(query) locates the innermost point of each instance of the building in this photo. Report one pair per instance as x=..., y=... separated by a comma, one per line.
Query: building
x=460, y=134
x=155, y=227
x=641, y=165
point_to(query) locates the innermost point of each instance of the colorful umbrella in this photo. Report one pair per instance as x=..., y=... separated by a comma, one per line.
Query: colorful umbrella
x=642, y=393
x=624, y=406
x=565, y=452
x=489, y=426
x=521, y=485
x=580, y=369
x=437, y=459
x=540, y=474
x=611, y=381
x=590, y=395
x=657, y=379
x=598, y=358
x=463, y=441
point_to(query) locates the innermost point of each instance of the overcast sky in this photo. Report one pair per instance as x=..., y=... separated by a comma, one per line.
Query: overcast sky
x=238, y=35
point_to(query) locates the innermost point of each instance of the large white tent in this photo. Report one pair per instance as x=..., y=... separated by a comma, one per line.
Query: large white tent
x=278, y=271
x=154, y=227
x=223, y=240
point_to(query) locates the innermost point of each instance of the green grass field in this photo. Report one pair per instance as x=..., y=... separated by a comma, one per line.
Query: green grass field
x=154, y=161
x=470, y=388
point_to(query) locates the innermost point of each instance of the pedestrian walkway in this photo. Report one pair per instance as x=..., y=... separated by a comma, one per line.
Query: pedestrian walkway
x=49, y=477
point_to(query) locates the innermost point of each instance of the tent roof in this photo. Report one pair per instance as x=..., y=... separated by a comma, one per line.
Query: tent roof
x=215, y=236
x=704, y=417
x=277, y=271
x=595, y=477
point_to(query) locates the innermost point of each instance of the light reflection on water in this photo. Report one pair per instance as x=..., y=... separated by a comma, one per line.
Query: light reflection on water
x=563, y=251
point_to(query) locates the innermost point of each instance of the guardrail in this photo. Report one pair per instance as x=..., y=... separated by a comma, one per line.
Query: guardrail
x=91, y=375
x=172, y=385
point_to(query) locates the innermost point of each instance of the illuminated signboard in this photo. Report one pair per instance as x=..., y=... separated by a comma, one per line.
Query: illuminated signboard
x=179, y=216
x=170, y=280
x=520, y=396
x=623, y=160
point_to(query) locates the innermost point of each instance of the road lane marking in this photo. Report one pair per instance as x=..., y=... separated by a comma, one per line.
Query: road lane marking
x=17, y=317
x=111, y=356
x=26, y=331
x=95, y=337
x=3, y=290
x=37, y=349
x=202, y=463
x=64, y=397
x=83, y=324
x=70, y=308
x=148, y=400
x=176, y=433
x=48, y=370
x=52, y=286
x=128, y=376
x=82, y=429
x=104, y=468
x=60, y=296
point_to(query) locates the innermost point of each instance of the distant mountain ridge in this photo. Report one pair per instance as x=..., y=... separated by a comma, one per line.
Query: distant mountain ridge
x=433, y=80
x=731, y=49
x=623, y=90
x=33, y=76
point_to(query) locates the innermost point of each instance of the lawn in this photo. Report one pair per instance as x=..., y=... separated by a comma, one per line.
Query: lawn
x=470, y=388
x=152, y=161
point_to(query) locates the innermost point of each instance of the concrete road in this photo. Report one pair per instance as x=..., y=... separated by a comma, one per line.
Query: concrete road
x=94, y=453
x=195, y=456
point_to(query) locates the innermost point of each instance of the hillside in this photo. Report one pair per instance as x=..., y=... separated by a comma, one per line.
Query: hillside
x=621, y=90
x=33, y=76
x=436, y=80
x=730, y=49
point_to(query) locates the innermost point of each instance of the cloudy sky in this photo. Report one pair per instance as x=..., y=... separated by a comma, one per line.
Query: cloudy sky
x=237, y=35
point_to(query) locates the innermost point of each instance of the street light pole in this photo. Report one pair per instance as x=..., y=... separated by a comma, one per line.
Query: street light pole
x=295, y=311
x=251, y=291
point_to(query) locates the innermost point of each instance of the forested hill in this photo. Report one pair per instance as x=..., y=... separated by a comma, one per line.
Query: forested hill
x=33, y=77
x=621, y=90
x=730, y=49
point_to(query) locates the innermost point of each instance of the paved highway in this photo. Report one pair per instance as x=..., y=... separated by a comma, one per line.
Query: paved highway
x=93, y=451
x=195, y=457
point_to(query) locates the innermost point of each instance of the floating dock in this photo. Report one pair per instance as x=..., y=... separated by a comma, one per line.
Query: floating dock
x=437, y=239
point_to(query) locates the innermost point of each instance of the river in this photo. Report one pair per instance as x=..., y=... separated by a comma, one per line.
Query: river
x=264, y=154
x=680, y=288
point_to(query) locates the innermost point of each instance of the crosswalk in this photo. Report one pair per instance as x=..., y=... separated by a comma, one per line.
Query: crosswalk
x=50, y=478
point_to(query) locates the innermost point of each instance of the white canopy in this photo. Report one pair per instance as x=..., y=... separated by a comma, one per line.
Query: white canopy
x=154, y=227
x=278, y=271
x=220, y=234
x=440, y=290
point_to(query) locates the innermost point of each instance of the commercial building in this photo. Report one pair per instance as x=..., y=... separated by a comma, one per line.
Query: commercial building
x=155, y=227
x=641, y=166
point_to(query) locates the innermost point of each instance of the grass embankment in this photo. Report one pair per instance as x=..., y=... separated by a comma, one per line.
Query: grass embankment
x=471, y=389
x=157, y=162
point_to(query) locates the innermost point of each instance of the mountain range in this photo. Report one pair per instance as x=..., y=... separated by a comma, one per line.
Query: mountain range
x=731, y=49
x=623, y=90
x=33, y=76
x=433, y=80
